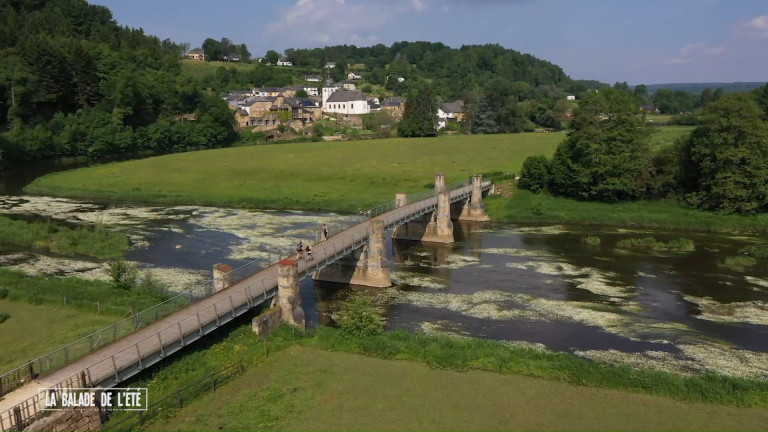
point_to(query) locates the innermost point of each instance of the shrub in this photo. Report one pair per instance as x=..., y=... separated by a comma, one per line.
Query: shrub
x=677, y=245
x=591, y=240
x=4, y=316
x=535, y=174
x=3, y=293
x=757, y=251
x=123, y=274
x=359, y=316
x=739, y=263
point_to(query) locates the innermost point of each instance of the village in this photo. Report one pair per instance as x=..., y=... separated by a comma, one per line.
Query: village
x=271, y=110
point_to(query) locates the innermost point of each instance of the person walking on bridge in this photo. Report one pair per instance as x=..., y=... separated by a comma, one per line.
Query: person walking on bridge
x=299, y=250
x=325, y=232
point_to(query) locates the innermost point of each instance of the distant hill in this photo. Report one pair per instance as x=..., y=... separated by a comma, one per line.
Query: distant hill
x=697, y=88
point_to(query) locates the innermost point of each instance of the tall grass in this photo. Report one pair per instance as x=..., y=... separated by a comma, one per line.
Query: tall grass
x=676, y=245
x=96, y=241
x=525, y=206
x=86, y=295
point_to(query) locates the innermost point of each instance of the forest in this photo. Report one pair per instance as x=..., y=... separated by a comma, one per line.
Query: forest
x=74, y=83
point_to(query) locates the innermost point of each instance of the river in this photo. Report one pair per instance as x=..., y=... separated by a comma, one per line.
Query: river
x=538, y=286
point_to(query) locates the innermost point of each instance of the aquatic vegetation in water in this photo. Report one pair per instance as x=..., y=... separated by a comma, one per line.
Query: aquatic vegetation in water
x=482, y=304
x=752, y=312
x=591, y=240
x=455, y=262
x=757, y=251
x=676, y=245
x=762, y=283
x=586, y=278
x=414, y=279
x=40, y=265
x=515, y=252
x=738, y=263
x=551, y=229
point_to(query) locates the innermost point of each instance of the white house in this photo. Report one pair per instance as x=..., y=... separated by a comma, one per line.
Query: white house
x=330, y=65
x=311, y=91
x=311, y=78
x=284, y=62
x=354, y=76
x=346, y=102
x=450, y=113
x=328, y=90
x=570, y=97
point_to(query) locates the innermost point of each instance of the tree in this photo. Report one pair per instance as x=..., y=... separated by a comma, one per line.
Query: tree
x=301, y=93
x=420, y=116
x=212, y=50
x=272, y=57
x=484, y=119
x=535, y=174
x=641, y=94
x=606, y=156
x=762, y=100
x=723, y=161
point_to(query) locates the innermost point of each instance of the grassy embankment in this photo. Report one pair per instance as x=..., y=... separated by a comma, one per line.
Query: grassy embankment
x=340, y=176
x=542, y=208
x=26, y=335
x=96, y=241
x=39, y=322
x=339, y=390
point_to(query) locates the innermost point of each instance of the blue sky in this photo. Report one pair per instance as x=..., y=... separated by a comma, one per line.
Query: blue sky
x=649, y=41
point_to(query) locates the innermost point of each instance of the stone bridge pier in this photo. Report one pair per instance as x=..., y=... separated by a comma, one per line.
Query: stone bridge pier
x=367, y=266
x=474, y=209
x=288, y=294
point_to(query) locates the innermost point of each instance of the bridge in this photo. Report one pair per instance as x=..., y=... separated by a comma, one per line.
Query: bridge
x=354, y=255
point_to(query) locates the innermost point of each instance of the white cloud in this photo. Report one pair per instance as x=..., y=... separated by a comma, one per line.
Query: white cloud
x=338, y=21
x=693, y=52
x=756, y=28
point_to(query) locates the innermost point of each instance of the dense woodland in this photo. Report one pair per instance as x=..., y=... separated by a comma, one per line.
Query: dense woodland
x=722, y=165
x=74, y=83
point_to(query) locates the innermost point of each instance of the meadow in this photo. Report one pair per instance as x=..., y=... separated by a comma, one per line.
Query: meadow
x=310, y=389
x=324, y=378
x=338, y=176
x=25, y=336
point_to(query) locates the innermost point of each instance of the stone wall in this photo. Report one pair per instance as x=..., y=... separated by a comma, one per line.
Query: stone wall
x=85, y=420
x=267, y=321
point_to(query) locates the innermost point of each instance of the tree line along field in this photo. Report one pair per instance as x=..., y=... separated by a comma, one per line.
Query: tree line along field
x=340, y=176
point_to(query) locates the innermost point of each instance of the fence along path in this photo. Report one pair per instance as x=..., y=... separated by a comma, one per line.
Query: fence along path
x=121, y=359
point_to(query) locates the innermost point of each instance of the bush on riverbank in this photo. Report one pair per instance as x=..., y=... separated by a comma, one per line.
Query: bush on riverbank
x=97, y=241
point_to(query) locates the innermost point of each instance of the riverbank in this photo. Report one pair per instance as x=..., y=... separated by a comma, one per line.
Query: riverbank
x=568, y=373
x=527, y=207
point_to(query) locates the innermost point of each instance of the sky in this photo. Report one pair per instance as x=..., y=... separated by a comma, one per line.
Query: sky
x=640, y=42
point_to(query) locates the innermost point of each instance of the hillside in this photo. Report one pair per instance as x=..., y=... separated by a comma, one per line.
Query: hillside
x=75, y=83
x=697, y=88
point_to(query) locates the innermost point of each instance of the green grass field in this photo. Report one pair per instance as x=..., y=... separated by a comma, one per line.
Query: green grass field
x=34, y=330
x=541, y=208
x=341, y=176
x=301, y=388
x=667, y=135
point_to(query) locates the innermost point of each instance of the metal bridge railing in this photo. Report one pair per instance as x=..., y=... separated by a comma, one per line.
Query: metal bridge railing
x=191, y=327
x=47, y=363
